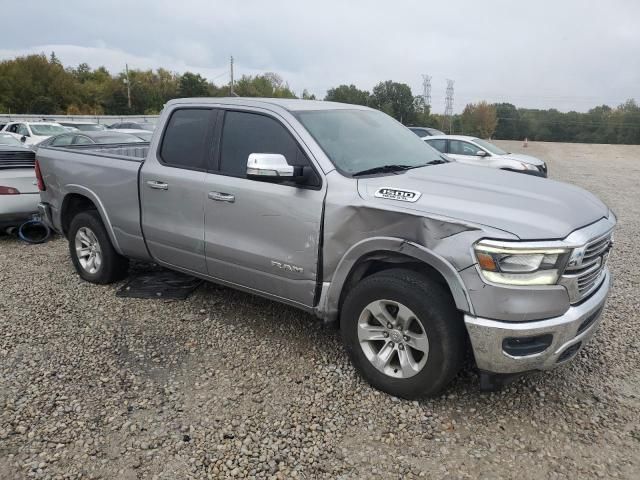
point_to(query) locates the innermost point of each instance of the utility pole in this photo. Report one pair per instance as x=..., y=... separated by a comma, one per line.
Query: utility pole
x=426, y=91
x=448, y=104
x=231, y=82
x=126, y=69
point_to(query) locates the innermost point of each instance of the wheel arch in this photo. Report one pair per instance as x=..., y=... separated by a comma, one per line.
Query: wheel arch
x=79, y=199
x=372, y=255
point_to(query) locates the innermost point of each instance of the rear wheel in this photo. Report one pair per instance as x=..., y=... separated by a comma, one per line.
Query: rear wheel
x=92, y=253
x=403, y=333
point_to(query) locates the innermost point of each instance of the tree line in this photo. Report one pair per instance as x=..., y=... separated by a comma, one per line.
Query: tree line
x=40, y=84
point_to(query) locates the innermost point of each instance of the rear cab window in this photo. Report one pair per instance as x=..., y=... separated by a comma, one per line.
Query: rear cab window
x=186, y=142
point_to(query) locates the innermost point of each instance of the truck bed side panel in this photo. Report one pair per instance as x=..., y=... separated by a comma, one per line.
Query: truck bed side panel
x=108, y=180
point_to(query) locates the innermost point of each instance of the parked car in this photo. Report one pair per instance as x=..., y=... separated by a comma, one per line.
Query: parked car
x=31, y=133
x=19, y=196
x=475, y=151
x=342, y=212
x=89, y=137
x=426, y=131
x=84, y=126
x=134, y=126
x=143, y=135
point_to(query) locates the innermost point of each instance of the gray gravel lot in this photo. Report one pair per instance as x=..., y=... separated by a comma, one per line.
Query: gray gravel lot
x=230, y=385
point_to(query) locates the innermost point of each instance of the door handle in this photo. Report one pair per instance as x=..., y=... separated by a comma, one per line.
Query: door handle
x=157, y=185
x=222, y=197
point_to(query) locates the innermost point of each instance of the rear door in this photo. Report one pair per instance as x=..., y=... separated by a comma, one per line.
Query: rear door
x=260, y=235
x=172, y=189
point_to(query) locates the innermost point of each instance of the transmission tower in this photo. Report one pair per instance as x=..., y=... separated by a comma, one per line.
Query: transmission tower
x=426, y=91
x=448, y=104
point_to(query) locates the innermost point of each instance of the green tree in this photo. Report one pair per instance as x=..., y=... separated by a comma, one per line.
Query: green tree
x=347, y=94
x=193, y=85
x=395, y=99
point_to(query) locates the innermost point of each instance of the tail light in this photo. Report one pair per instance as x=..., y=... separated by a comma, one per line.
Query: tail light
x=41, y=186
x=9, y=191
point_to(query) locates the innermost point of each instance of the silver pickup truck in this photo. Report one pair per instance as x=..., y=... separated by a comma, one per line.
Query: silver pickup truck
x=341, y=211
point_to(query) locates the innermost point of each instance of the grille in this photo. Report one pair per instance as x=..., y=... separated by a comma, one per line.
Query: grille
x=588, y=273
x=15, y=159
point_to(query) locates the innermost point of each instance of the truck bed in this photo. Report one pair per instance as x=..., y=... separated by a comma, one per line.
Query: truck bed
x=105, y=174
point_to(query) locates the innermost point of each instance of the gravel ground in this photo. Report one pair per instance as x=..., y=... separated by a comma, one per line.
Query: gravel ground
x=230, y=385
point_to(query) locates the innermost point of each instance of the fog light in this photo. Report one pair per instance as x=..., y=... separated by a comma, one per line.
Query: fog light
x=523, y=346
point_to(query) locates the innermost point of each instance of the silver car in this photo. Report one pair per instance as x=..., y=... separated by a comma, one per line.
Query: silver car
x=475, y=151
x=19, y=194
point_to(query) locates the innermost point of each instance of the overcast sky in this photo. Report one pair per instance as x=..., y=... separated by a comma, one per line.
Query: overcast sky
x=567, y=54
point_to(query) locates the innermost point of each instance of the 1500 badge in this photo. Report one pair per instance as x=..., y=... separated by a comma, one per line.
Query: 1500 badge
x=395, y=194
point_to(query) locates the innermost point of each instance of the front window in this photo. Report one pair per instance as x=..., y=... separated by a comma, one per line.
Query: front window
x=490, y=147
x=44, y=129
x=360, y=140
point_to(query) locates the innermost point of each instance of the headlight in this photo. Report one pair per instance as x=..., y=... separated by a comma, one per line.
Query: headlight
x=528, y=166
x=513, y=265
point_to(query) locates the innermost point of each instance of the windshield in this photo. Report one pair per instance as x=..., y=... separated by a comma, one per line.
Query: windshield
x=6, y=139
x=358, y=140
x=489, y=146
x=44, y=129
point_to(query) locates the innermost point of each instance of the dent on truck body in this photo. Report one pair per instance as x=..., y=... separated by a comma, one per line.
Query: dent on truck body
x=354, y=227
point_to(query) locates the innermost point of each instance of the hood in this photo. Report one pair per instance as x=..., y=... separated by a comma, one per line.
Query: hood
x=530, y=207
x=524, y=158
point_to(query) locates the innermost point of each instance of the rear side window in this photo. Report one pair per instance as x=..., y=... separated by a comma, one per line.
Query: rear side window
x=82, y=140
x=245, y=133
x=186, y=139
x=62, y=141
x=439, y=145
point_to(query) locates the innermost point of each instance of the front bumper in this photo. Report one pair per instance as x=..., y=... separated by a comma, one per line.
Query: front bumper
x=569, y=332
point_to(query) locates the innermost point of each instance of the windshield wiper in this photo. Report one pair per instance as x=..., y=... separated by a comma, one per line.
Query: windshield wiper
x=384, y=169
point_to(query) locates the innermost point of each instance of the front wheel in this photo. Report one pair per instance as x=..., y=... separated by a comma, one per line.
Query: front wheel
x=91, y=251
x=403, y=333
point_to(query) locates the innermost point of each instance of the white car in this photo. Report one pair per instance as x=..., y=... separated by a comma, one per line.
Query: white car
x=19, y=195
x=31, y=133
x=475, y=151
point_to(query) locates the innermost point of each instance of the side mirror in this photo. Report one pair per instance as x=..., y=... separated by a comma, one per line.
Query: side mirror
x=270, y=166
x=481, y=153
x=23, y=139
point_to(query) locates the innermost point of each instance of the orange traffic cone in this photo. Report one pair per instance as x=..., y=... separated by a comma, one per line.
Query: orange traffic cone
x=526, y=142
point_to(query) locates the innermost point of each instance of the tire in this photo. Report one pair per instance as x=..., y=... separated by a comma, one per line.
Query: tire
x=87, y=234
x=422, y=308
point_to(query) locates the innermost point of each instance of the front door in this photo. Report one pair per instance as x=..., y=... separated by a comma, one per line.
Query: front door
x=260, y=235
x=173, y=191
x=465, y=152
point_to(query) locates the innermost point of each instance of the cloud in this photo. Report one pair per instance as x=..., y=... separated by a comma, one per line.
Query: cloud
x=568, y=55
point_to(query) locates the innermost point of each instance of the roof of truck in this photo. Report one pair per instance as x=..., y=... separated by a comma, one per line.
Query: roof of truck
x=291, y=104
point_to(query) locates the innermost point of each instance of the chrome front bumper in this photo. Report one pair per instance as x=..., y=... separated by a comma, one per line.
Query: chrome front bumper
x=570, y=332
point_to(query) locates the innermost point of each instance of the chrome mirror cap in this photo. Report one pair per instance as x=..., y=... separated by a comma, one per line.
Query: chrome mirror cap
x=269, y=165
